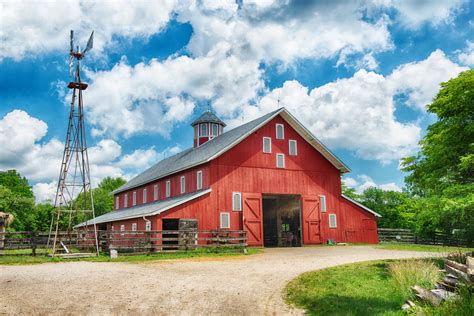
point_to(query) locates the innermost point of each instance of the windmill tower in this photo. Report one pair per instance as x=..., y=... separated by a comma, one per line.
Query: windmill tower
x=74, y=177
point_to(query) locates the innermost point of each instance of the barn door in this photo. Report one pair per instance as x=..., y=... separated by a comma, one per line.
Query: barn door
x=252, y=218
x=311, y=220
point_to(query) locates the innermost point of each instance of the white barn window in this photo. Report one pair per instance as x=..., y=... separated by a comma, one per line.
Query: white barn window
x=236, y=201
x=134, y=199
x=148, y=226
x=125, y=200
x=117, y=202
x=144, y=195
x=122, y=228
x=293, y=150
x=280, y=131
x=267, y=145
x=155, y=192
x=225, y=220
x=322, y=203
x=204, y=130
x=332, y=221
x=183, y=184
x=168, y=188
x=134, y=227
x=215, y=129
x=199, y=180
x=280, y=161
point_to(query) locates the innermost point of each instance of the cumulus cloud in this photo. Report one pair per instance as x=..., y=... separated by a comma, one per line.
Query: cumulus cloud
x=30, y=28
x=22, y=147
x=466, y=56
x=364, y=182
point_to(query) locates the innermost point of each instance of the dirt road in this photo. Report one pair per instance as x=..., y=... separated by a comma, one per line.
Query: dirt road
x=249, y=285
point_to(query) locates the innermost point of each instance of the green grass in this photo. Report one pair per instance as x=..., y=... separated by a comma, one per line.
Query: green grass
x=199, y=253
x=425, y=248
x=356, y=289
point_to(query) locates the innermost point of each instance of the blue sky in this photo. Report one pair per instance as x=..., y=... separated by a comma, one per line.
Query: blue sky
x=358, y=75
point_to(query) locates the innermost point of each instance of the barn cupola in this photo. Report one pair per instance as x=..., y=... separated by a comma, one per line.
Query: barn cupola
x=206, y=127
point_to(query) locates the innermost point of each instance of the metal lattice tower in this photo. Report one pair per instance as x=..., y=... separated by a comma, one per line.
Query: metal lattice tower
x=74, y=177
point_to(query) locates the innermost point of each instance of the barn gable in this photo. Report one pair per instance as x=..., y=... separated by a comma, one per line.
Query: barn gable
x=219, y=145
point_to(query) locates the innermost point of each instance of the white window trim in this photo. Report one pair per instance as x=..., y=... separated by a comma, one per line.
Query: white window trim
x=289, y=147
x=155, y=192
x=234, y=208
x=281, y=155
x=228, y=220
x=117, y=202
x=212, y=130
x=125, y=200
x=200, y=130
x=199, y=180
x=182, y=184
x=122, y=228
x=282, y=130
x=322, y=203
x=134, y=198
x=333, y=216
x=148, y=226
x=168, y=188
x=134, y=227
x=263, y=141
x=144, y=196
x=112, y=227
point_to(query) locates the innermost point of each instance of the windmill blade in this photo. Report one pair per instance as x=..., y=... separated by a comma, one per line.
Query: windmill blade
x=90, y=43
x=71, y=42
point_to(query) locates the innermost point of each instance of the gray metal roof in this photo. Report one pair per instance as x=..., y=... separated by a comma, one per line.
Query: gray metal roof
x=145, y=209
x=208, y=117
x=215, y=147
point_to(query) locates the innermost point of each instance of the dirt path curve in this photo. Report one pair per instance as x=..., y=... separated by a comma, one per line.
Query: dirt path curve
x=250, y=285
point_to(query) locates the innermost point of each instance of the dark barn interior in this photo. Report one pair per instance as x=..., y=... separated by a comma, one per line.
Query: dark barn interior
x=281, y=220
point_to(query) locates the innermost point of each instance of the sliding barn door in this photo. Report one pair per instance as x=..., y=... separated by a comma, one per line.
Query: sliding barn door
x=252, y=218
x=311, y=220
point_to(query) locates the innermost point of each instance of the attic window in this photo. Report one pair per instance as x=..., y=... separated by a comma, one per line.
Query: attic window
x=267, y=145
x=144, y=196
x=280, y=131
x=125, y=200
x=168, y=188
x=134, y=200
x=199, y=180
x=117, y=202
x=293, y=150
x=183, y=184
x=155, y=192
x=204, y=130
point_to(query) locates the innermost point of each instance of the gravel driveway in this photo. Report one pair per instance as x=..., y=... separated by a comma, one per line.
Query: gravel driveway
x=247, y=285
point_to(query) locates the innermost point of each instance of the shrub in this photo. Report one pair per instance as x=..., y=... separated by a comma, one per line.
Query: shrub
x=407, y=273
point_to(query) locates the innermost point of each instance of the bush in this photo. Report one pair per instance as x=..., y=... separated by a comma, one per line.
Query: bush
x=408, y=273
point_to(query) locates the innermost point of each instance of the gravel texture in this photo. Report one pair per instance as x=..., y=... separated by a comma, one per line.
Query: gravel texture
x=244, y=285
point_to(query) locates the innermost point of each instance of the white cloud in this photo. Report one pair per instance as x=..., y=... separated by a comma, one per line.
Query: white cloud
x=364, y=182
x=22, y=148
x=420, y=80
x=413, y=14
x=466, y=57
x=29, y=28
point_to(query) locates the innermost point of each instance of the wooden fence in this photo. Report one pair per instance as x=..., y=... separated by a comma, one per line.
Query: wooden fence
x=391, y=235
x=31, y=243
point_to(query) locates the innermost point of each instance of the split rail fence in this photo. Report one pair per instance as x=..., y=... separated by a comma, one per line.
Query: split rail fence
x=133, y=242
x=395, y=235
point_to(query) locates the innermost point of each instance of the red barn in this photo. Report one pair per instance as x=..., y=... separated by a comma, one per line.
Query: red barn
x=270, y=177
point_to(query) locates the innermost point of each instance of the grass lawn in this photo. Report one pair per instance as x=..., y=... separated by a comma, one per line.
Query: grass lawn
x=355, y=289
x=199, y=253
x=427, y=248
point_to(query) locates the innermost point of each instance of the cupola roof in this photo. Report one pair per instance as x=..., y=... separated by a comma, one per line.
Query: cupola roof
x=208, y=117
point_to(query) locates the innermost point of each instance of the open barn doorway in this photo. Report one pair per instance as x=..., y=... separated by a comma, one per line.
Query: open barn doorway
x=170, y=238
x=281, y=220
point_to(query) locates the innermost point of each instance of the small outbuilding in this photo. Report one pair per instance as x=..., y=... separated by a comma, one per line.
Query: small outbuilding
x=270, y=177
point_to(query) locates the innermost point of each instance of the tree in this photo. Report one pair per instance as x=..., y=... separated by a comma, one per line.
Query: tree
x=447, y=151
x=17, y=184
x=349, y=192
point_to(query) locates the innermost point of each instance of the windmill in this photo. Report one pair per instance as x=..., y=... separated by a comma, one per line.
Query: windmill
x=74, y=177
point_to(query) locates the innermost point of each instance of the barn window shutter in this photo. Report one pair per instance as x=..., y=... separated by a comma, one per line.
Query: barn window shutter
x=122, y=228
x=199, y=180
x=117, y=203
x=225, y=220
x=168, y=188
x=134, y=199
x=322, y=203
x=280, y=161
x=125, y=200
x=332, y=221
x=183, y=184
x=134, y=227
x=267, y=145
x=236, y=201
x=144, y=195
x=293, y=150
x=155, y=192
x=148, y=226
x=280, y=131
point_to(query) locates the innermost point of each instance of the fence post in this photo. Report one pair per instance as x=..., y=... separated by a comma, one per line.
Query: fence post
x=33, y=244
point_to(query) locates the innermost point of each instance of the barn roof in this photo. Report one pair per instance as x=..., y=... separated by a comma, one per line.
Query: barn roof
x=217, y=146
x=208, y=117
x=145, y=209
x=361, y=205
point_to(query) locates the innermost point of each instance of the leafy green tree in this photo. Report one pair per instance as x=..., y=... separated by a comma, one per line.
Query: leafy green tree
x=17, y=184
x=110, y=184
x=447, y=151
x=349, y=192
